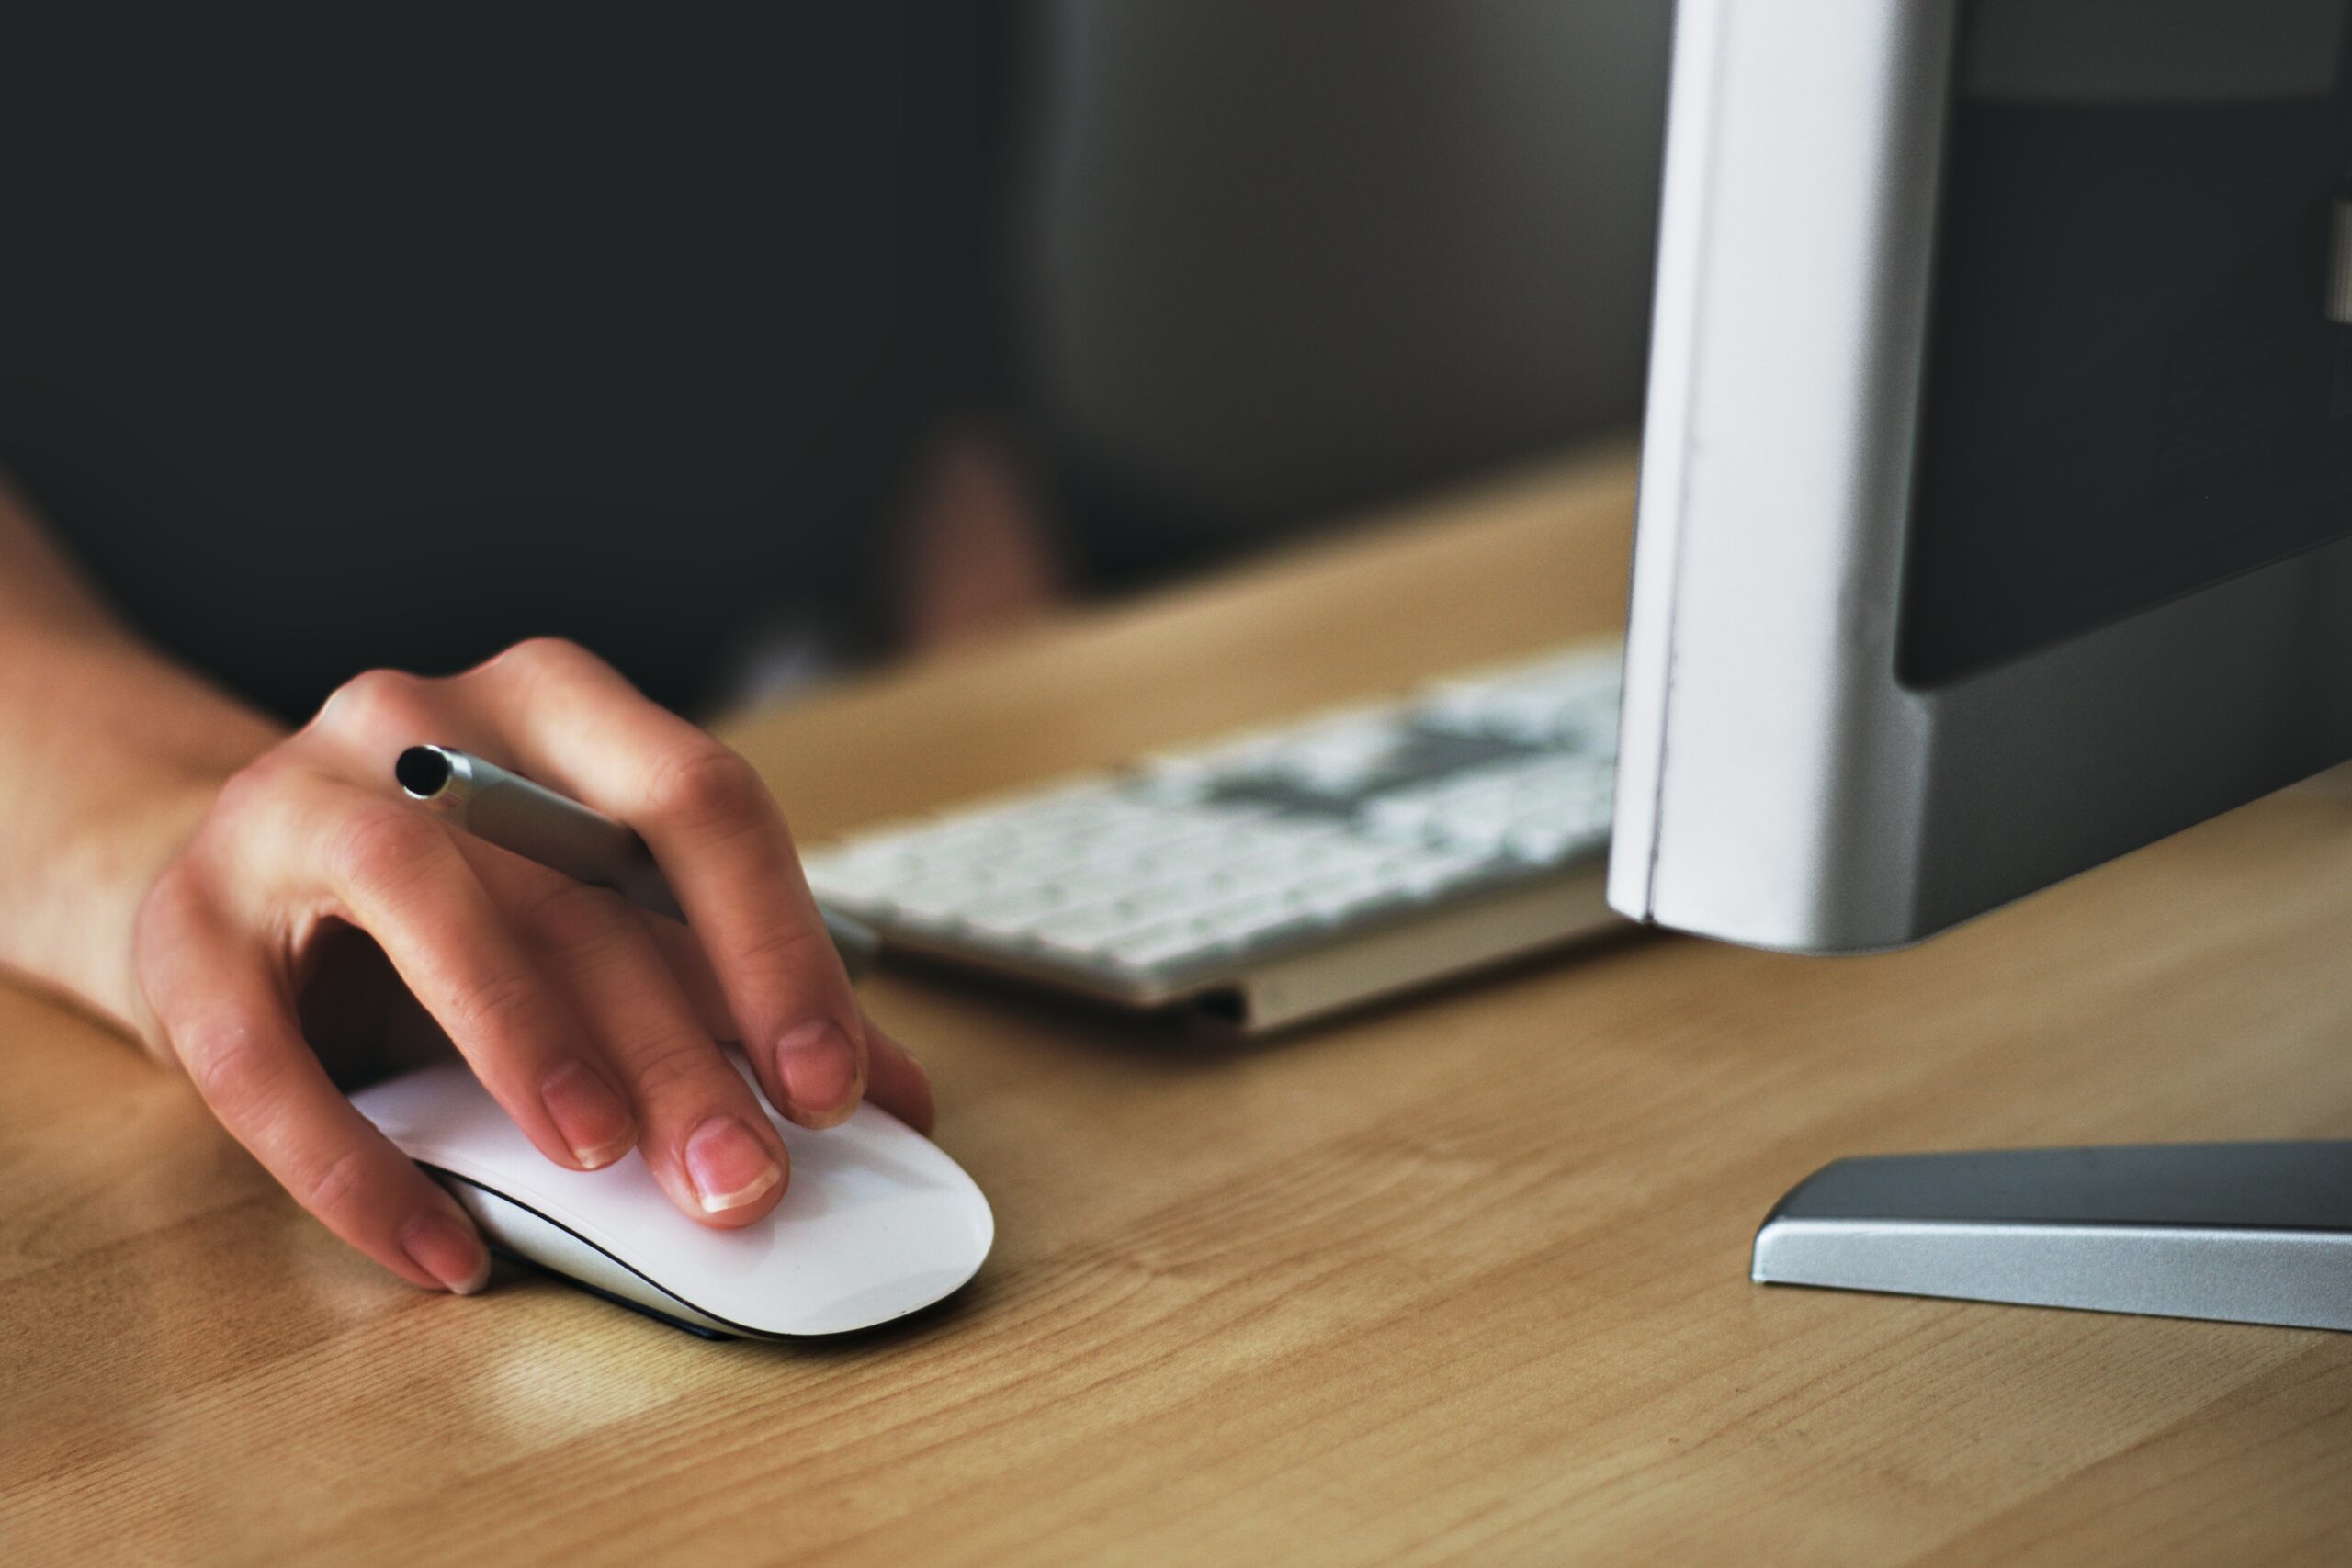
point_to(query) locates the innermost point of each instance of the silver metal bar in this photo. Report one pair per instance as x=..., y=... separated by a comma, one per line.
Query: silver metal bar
x=556, y=830
x=2241, y=1233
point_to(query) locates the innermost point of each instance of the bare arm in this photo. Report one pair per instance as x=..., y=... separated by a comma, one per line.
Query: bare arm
x=109, y=756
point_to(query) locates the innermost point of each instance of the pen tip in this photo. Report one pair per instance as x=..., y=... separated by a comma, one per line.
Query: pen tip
x=422, y=771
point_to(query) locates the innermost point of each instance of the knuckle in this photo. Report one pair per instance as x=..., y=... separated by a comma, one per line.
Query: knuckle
x=376, y=703
x=675, y=1066
x=176, y=908
x=536, y=657
x=783, y=956
x=501, y=1005
x=251, y=792
x=332, y=1186
x=378, y=685
x=379, y=851
x=550, y=649
x=702, y=783
x=575, y=917
x=228, y=1062
x=173, y=901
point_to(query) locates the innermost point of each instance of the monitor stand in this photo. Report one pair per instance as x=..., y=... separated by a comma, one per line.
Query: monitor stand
x=2245, y=1232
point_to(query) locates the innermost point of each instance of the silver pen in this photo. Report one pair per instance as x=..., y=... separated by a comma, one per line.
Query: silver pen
x=556, y=830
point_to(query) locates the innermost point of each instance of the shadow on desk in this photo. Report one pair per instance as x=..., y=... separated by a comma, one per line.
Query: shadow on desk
x=1188, y=1039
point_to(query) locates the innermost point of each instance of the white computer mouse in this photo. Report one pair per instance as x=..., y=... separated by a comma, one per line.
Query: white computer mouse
x=877, y=1221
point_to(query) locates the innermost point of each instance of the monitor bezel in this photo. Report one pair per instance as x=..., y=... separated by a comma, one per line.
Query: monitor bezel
x=1779, y=785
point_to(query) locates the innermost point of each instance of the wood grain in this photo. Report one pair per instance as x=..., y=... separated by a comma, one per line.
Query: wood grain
x=1462, y=1279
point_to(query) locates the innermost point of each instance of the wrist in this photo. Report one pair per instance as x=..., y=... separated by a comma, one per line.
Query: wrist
x=78, y=938
x=110, y=756
x=103, y=796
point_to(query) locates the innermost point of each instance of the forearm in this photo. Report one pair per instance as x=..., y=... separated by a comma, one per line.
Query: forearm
x=109, y=755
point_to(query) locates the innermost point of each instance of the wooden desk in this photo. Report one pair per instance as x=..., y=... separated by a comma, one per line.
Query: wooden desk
x=1462, y=1279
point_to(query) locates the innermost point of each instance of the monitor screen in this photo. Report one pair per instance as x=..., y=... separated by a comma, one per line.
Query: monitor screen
x=2134, y=388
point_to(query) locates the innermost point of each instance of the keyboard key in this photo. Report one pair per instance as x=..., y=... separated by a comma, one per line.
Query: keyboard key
x=1169, y=899
x=1404, y=815
x=1208, y=853
x=1086, y=933
x=1260, y=877
x=1544, y=845
x=1040, y=864
x=1340, y=894
x=1012, y=915
x=1152, y=947
x=1339, y=758
x=1437, y=870
x=940, y=899
x=1253, y=920
x=1103, y=881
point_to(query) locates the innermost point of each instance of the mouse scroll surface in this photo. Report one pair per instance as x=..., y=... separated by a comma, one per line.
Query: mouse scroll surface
x=876, y=1222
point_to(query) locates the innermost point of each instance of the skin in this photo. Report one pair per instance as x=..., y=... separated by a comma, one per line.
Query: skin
x=254, y=905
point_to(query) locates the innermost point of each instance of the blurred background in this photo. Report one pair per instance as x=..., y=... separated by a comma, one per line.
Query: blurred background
x=1269, y=265
x=749, y=350
x=1252, y=271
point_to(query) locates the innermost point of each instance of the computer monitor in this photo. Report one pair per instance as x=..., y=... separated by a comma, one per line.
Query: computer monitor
x=1995, y=519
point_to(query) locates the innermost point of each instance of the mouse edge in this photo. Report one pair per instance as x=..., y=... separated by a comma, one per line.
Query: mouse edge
x=500, y=1215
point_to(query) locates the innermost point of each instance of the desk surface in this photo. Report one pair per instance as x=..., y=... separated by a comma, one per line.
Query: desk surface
x=1463, y=1279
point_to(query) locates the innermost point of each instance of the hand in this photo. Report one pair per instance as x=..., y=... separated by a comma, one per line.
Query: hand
x=593, y=1022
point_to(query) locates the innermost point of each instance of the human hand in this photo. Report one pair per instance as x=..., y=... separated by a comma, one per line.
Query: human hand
x=594, y=1023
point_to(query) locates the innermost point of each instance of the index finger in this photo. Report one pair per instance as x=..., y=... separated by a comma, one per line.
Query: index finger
x=571, y=721
x=235, y=1030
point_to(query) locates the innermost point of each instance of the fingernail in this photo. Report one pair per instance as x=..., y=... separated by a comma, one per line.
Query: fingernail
x=728, y=1167
x=817, y=1068
x=591, y=1117
x=448, y=1251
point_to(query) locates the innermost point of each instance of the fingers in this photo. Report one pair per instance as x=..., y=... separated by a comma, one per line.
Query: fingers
x=573, y=723
x=894, y=1081
x=232, y=1024
x=397, y=874
x=704, y=1136
x=591, y=1024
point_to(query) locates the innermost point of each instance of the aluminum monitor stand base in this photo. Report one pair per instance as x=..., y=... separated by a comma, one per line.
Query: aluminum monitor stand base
x=2241, y=1233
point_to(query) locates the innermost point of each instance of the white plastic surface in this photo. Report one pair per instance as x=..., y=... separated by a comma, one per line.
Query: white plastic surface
x=1759, y=798
x=877, y=1222
x=522, y=1232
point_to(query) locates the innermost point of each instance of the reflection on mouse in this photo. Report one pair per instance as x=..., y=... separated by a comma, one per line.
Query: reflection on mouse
x=877, y=1221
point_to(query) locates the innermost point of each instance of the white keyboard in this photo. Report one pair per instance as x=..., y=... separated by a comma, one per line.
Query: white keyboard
x=1279, y=874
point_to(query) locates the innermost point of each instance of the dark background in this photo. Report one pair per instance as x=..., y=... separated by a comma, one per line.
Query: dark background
x=328, y=341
